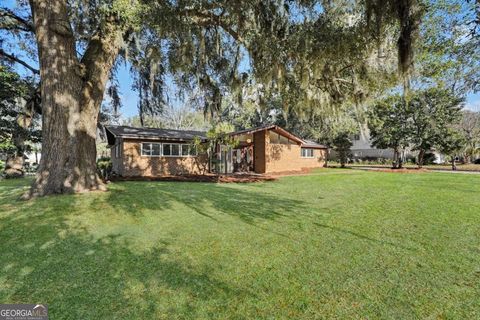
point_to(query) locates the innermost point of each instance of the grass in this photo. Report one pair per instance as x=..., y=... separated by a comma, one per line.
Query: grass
x=446, y=167
x=334, y=244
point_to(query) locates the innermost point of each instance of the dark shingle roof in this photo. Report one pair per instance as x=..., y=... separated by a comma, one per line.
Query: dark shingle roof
x=188, y=135
x=313, y=144
x=154, y=133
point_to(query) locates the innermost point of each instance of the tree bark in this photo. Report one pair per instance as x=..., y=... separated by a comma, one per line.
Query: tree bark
x=468, y=158
x=343, y=159
x=72, y=92
x=395, y=158
x=421, y=155
x=454, y=163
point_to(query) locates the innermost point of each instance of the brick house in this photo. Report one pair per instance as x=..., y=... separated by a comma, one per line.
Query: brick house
x=153, y=152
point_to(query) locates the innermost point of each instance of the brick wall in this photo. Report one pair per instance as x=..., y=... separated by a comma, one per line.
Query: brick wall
x=134, y=164
x=283, y=157
x=259, y=142
x=268, y=158
x=276, y=157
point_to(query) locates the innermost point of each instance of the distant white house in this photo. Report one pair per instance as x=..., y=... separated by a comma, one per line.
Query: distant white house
x=362, y=147
x=33, y=157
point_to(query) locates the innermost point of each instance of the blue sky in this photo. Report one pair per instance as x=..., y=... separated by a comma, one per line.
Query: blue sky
x=129, y=96
x=473, y=102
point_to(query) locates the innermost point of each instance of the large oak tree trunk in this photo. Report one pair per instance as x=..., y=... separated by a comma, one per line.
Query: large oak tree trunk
x=72, y=92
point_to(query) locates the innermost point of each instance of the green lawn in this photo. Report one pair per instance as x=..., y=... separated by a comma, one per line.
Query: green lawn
x=446, y=167
x=334, y=244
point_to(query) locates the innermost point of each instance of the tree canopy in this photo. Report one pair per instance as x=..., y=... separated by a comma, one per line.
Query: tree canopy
x=307, y=58
x=423, y=121
x=211, y=49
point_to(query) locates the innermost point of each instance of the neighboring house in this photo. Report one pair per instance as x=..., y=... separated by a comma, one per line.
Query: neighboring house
x=33, y=157
x=362, y=148
x=156, y=152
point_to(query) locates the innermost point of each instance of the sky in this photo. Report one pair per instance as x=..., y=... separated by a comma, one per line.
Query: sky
x=129, y=96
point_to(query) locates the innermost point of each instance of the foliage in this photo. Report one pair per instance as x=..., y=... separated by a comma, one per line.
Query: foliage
x=288, y=50
x=11, y=89
x=389, y=125
x=428, y=158
x=208, y=50
x=431, y=112
x=16, y=115
x=448, y=50
x=218, y=134
x=179, y=118
x=421, y=120
x=103, y=150
x=104, y=165
x=7, y=146
x=314, y=124
x=342, y=144
x=409, y=14
x=451, y=144
x=469, y=127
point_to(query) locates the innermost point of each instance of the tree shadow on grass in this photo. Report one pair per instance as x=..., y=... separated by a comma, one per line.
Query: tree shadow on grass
x=46, y=259
x=9, y=189
x=249, y=204
x=363, y=237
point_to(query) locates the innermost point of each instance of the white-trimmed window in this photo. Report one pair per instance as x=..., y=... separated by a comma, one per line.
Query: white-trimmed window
x=307, y=153
x=175, y=149
x=184, y=151
x=151, y=149
x=179, y=150
x=168, y=149
x=171, y=149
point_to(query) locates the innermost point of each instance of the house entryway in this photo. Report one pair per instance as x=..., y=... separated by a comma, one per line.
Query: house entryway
x=232, y=160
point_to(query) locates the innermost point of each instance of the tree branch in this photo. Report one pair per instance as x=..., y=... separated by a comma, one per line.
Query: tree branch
x=24, y=24
x=207, y=18
x=13, y=58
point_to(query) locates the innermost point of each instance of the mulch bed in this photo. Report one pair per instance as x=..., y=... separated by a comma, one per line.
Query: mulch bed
x=403, y=170
x=292, y=173
x=243, y=178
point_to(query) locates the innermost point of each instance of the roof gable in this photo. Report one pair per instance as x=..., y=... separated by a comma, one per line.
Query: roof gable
x=274, y=128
